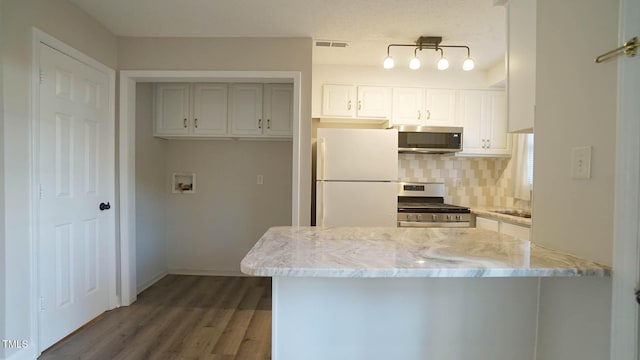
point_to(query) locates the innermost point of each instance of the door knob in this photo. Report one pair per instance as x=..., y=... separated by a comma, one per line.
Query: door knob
x=104, y=206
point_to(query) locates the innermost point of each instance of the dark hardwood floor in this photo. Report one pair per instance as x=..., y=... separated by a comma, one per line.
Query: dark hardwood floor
x=181, y=317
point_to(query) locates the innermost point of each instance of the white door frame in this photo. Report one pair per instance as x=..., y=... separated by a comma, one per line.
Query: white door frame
x=38, y=37
x=127, y=217
x=626, y=246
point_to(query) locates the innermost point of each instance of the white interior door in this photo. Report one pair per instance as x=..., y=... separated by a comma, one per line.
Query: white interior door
x=76, y=172
x=625, y=325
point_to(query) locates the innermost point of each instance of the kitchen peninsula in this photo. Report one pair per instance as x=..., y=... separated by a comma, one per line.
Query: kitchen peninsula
x=406, y=293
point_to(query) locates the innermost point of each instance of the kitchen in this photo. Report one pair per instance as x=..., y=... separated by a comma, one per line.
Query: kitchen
x=554, y=226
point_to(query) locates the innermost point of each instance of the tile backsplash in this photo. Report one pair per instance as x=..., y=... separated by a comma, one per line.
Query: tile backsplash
x=473, y=182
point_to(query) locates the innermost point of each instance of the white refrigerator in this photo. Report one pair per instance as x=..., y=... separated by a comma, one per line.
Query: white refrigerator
x=356, y=177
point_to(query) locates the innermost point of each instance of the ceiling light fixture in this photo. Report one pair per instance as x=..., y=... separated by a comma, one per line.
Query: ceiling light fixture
x=432, y=43
x=414, y=64
x=443, y=63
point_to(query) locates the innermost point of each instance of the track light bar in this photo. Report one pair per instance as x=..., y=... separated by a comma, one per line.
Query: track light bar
x=432, y=43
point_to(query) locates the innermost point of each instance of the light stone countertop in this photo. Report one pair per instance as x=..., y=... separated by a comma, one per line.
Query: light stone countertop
x=360, y=252
x=509, y=218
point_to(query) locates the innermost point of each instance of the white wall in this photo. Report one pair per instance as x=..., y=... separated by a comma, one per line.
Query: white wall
x=151, y=193
x=209, y=232
x=372, y=75
x=242, y=54
x=575, y=106
x=61, y=19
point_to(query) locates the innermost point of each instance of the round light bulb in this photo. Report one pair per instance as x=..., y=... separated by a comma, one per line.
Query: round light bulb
x=468, y=64
x=414, y=64
x=388, y=63
x=443, y=63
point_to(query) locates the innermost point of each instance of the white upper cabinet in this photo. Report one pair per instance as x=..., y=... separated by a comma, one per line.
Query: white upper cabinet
x=171, y=111
x=521, y=64
x=245, y=109
x=441, y=107
x=482, y=113
x=278, y=110
x=419, y=106
x=373, y=102
x=408, y=106
x=349, y=101
x=210, y=109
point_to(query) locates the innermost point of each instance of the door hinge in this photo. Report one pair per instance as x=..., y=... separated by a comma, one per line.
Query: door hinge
x=41, y=303
x=41, y=76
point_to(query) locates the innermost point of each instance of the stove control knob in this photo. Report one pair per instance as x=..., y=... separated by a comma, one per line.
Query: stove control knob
x=418, y=217
x=408, y=217
x=458, y=217
x=434, y=217
x=447, y=218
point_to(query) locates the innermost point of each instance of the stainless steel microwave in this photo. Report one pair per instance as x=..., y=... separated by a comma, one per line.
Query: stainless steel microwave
x=429, y=139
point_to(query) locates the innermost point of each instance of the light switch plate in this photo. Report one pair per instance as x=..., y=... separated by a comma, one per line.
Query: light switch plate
x=581, y=162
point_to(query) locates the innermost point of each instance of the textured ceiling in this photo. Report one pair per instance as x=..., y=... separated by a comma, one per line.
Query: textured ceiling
x=368, y=25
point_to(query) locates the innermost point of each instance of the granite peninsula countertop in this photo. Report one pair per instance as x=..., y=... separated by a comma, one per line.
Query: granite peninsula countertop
x=509, y=218
x=407, y=252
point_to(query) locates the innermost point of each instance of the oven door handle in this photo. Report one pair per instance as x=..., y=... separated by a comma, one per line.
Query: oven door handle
x=428, y=224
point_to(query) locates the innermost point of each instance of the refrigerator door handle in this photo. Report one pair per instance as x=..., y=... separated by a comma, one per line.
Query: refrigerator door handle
x=322, y=149
x=319, y=204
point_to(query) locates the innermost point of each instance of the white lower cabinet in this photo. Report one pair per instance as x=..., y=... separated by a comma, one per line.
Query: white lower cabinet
x=521, y=232
x=482, y=114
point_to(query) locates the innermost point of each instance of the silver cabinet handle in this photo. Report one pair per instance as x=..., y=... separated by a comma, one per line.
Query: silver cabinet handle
x=359, y=104
x=484, y=143
x=428, y=114
x=184, y=123
x=268, y=123
x=259, y=123
x=488, y=143
x=349, y=105
x=419, y=114
x=195, y=123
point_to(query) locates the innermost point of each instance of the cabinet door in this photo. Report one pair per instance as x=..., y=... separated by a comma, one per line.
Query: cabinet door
x=171, y=115
x=487, y=224
x=470, y=111
x=278, y=110
x=373, y=102
x=245, y=109
x=338, y=100
x=498, y=141
x=408, y=106
x=441, y=107
x=210, y=109
x=521, y=63
x=517, y=231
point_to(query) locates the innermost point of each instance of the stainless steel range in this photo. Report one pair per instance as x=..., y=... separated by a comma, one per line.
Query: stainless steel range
x=422, y=205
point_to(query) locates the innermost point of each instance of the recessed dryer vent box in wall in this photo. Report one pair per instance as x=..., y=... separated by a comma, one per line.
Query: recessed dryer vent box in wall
x=184, y=183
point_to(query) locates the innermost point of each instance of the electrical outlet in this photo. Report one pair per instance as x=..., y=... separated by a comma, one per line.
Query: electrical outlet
x=581, y=162
x=260, y=180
